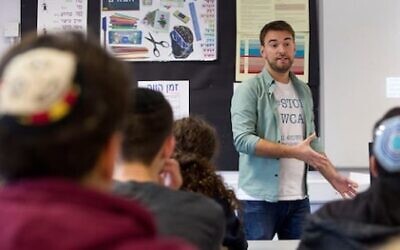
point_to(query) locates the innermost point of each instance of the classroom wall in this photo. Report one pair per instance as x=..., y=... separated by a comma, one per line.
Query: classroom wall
x=359, y=49
x=211, y=83
x=9, y=12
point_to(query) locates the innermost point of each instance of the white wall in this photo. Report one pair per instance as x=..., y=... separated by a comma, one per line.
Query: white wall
x=360, y=47
x=10, y=11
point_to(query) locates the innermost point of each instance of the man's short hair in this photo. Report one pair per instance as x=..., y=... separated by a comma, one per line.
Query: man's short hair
x=278, y=25
x=65, y=138
x=149, y=123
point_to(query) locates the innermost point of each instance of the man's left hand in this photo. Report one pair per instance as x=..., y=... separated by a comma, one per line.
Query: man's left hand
x=345, y=187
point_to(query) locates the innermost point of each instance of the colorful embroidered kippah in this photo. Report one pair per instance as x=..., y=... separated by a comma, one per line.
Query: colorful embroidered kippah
x=37, y=87
x=387, y=144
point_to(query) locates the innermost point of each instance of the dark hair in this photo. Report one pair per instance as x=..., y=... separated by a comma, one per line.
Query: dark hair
x=148, y=124
x=71, y=146
x=389, y=114
x=278, y=25
x=196, y=144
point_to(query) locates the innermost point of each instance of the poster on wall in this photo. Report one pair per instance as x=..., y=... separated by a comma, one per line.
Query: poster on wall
x=252, y=15
x=61, y=15
x=249, y=60
x=176, y=92
x=160, y=30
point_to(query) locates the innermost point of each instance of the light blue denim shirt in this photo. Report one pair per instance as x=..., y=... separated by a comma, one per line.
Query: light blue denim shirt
x=254, y=115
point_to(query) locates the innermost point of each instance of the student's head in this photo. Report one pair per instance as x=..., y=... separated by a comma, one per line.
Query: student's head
x=385, y=160
x=195, y=136
x=196, y=143
x=148, y=127
x=62, y=101
x=277, y=40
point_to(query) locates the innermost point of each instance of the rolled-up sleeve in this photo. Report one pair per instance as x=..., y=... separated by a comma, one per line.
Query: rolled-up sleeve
x=244, y=118
x=316, y=144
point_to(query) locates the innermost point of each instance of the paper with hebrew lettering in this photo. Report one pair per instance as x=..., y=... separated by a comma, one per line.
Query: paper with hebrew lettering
x=176, y=92
x=61, y=15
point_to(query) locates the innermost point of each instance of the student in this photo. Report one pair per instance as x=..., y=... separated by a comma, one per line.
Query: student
x=147, y=168
x=62, y=103
x=372, y=218
x=195, y=148
x=274, y=133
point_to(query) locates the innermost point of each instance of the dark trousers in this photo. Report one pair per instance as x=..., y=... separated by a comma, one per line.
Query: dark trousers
x=262, y=219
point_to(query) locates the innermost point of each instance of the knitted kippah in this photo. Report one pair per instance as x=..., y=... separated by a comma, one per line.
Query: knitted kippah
x=37, y=87
x=387, y=144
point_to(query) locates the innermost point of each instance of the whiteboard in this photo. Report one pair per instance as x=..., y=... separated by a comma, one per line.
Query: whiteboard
x=359, y=50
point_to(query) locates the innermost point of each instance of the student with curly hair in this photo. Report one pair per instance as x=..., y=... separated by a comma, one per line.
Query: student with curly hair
x=196, y=145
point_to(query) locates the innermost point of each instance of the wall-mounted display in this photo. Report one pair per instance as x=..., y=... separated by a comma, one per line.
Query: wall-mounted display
x=252, y=15
x=160, y=30
x=56, y=15
x=175, y=91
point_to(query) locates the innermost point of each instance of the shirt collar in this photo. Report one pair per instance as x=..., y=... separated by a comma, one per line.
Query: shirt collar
x=270, y=82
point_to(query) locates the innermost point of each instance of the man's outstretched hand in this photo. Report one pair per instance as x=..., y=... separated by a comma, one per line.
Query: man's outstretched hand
x=345, y=187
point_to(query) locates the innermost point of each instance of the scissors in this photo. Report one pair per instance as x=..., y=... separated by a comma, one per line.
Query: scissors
x=164, y=44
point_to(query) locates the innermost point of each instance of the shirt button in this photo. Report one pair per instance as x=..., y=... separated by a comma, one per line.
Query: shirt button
x=276, y=175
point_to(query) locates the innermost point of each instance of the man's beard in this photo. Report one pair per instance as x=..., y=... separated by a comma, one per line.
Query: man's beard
x=280, y=69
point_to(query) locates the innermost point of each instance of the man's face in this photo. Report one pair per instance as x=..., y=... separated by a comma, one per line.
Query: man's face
x=278, y=50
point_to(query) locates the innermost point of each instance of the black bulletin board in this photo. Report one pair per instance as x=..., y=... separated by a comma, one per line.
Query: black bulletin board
x=211, y=83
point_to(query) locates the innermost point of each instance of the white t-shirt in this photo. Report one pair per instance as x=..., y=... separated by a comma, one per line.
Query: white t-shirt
x=291, y=175
x=290, y=110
